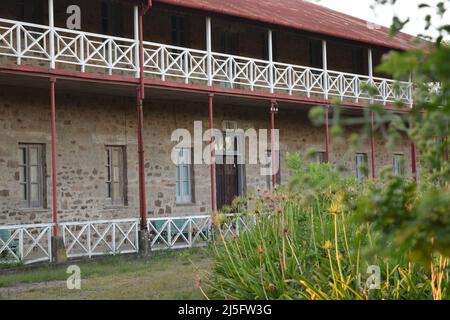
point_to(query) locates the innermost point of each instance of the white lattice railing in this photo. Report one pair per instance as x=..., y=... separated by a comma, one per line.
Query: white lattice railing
x=106, y=237
x=25, y=243
x=32, y=243
x=26, y=42
x=193, y=231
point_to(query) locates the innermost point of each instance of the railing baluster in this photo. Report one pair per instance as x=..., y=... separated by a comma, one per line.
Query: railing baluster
x=110, y=56
x=83, y=63
x=163, y=62
x=291, y=80
x=186, y=65
x=89, y=240
x=19, y=44
x=21, y=244
x=113, y=226
x=56, y=45
x=190, y=233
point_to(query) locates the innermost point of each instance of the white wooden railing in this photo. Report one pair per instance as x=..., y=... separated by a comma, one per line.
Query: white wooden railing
x=32, y=243
x=106, y=237
x=25, y=243
x=89, y=52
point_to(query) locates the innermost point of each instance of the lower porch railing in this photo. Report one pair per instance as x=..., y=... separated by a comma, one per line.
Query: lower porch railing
x=32, y=243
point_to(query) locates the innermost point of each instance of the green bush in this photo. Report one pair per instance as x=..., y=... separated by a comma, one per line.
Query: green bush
x=307, y=243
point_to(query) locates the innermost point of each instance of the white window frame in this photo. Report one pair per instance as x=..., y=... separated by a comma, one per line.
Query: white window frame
x=116, y=189
x=26, y=176
x=360, y=174
x=183, y=176
x=398, y=163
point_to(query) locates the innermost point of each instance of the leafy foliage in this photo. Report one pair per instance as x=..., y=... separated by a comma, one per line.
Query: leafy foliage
x=307, y=245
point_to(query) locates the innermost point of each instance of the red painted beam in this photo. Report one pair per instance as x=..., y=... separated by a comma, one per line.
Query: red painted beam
x=53, y=138
x=327, y=134
x=212, y=153
x=372, y=144
x=216, y=90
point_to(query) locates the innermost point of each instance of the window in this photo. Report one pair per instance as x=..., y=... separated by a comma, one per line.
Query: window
x=361, y=166
x=184, y=176
x=116, y=175
x=269, y=166
x=399, y=164
x=111, y=18
x=180, y=31
x=31, y=11
x=321, y=157
x=229, y=42
x=31, y=175
x=315, y=53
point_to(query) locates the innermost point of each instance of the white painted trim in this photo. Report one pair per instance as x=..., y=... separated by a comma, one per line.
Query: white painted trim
x=209, y=50
x=136, y=40
x=51, y=22
x=118, y=55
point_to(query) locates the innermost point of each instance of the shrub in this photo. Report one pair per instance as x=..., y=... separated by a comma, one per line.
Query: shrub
x=307, y=244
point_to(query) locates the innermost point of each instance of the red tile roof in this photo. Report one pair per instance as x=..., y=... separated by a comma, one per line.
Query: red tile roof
x=302, y=15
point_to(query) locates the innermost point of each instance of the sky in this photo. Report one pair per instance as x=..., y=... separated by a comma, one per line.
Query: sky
x=383, y=14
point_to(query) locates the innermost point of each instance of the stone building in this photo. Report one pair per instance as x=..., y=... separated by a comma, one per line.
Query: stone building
x=240, y=63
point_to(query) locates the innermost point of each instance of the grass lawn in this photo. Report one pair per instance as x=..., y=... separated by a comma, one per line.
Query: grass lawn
x=168, y=275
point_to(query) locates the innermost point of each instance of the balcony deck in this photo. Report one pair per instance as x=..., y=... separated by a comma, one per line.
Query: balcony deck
x=39, y=45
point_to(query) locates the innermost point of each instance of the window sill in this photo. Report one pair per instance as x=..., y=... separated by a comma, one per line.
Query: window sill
x=185, y=204
x=33, y=210
x=115, y=207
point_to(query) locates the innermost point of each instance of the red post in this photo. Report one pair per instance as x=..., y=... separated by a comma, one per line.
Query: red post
x=142, y=192
x=53, y=133
x=327, y=134
x=273, y=110
x=372, y=144
x=140, y=96
x=213, y=154
x=414, y=160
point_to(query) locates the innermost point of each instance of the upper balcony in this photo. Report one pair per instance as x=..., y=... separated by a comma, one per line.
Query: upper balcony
x=45, y=46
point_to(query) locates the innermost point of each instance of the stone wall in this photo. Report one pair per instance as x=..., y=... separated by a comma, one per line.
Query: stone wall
x=87, y=122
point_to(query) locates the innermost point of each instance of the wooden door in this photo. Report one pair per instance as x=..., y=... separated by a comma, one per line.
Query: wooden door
x=227, y=179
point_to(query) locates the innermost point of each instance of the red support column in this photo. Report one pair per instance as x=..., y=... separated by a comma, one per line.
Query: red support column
x=142, y=192
x=273, y=110
x=414, y=160
x=372, y=144
x=213, y=153
x=140, y=96
x=53, y=133
x=327, y=134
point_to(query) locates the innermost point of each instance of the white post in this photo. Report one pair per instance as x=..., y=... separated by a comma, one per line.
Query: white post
x=136, y=40
x=325, y=67
x=370, y=63
x=209, y=49
x=411, y=91
x=370, y=60
x=51, y=23
x=271, y=67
